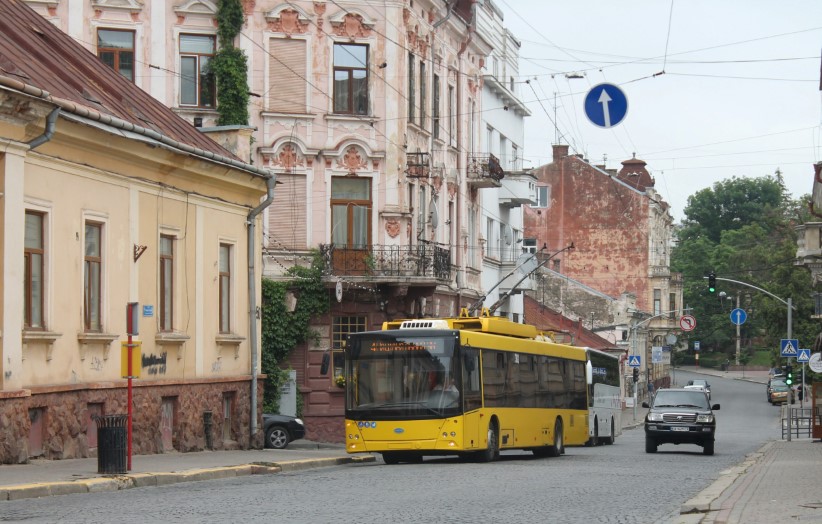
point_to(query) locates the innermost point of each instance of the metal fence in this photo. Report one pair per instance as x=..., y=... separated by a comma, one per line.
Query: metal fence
x=801, y=422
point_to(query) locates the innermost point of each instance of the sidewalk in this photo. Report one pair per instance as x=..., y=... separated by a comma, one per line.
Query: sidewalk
x=777, y=483
x=42, y=478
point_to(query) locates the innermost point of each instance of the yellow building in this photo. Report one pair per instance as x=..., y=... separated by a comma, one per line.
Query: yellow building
x=108, y=197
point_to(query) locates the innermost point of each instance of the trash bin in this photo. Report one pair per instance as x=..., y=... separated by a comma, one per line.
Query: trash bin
x=112, y=444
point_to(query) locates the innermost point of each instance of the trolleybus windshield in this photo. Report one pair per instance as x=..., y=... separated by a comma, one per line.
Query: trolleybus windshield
x=402, y=376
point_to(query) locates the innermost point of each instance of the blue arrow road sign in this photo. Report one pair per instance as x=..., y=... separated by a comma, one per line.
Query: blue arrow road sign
x=634, y=361
x=788, y=347
x=804, y=355
x=606, y=105
x=738, y=316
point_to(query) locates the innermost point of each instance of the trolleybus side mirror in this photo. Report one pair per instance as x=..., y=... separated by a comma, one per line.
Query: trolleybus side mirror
x=325, y=364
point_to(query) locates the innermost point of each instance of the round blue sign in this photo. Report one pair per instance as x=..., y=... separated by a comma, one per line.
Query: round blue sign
x=738, y=316
x=606, y=105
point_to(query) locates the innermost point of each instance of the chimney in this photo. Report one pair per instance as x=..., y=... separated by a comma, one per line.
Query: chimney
x=560, y=152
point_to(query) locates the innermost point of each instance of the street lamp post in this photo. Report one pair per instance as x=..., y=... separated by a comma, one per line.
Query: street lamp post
x=788, y=303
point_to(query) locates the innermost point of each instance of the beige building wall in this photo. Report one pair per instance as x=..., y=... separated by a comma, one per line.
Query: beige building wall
x=137, y=191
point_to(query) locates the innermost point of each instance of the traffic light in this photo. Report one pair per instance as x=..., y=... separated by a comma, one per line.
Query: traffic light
x=789, y=375
x=636, y=375
x=711, y=282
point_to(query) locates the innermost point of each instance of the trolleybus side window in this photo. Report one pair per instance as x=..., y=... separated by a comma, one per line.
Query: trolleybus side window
x=472, y=392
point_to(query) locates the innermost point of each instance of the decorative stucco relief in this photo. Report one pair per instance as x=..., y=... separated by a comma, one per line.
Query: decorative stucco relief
x=196, y=7
x=288, y=158
x=392, y=227
x=352, y=160
x=452, y=190
x=129, y=5
x=352, y=25
x=287, y=20
x=436, y=183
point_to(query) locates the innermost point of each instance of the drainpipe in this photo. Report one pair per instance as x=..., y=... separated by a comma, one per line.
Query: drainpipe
x=462, y=263
x=251, y=220
x=51, y=123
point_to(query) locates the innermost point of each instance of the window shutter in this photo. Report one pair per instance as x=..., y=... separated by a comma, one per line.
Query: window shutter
x=287, y=212
x=287, y=75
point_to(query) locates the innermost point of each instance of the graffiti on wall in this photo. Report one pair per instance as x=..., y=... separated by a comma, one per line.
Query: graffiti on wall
x=154, y=364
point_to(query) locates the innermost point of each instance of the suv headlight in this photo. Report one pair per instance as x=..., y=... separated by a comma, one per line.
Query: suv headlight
x=655, y=417
x=705, y=419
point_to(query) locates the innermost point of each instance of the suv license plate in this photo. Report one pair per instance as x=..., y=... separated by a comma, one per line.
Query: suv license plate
x=679, y=429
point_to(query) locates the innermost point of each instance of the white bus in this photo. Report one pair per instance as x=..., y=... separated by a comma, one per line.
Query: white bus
x=604, y=402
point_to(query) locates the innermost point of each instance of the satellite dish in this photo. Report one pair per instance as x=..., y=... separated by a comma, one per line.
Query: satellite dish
x=507, y=235
x=434, y=215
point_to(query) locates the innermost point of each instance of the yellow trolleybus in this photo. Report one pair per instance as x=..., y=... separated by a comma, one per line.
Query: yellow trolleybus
x=463, y=386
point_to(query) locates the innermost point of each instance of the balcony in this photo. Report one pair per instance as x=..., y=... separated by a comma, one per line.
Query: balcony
x=520, y=189
x=660, y=271
x=484, y=170
x=421, y=264
x=417, y=165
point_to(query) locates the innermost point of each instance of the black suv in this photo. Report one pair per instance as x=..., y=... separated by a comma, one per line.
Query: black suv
x=680, y=416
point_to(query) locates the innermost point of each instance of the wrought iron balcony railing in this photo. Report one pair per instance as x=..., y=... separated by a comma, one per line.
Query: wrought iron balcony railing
x=484, y=169
x=421, y=260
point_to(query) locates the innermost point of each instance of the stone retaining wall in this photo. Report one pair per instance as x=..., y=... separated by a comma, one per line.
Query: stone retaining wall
x=58, y=420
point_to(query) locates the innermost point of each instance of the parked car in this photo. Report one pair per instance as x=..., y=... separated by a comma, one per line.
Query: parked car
x=780, y=393
x=703, y=383
x=697, y=387
x=680, y=416
x=774, y=383
x=775, y=372
x=280, y=430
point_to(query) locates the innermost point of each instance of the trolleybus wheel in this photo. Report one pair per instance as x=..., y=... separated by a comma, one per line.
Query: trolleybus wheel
x=492, y=452
x=559, y=445
x=610, y=439
x=594, y=440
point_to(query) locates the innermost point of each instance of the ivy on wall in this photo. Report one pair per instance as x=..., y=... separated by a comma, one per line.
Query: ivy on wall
x=230, y=66
x=283, y=330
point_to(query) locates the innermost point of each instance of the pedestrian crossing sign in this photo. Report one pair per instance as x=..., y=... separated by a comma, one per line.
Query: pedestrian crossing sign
x=788, y=347
x=634, y=361
x=804, y=355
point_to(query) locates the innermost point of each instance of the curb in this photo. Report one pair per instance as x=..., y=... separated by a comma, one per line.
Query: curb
x=141, y=480
x=706, y=500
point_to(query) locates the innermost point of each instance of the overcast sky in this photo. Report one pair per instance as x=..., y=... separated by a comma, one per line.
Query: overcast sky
x=739, y=95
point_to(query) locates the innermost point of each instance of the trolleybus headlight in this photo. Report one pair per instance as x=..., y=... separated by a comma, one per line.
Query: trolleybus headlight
x=453, y=433
x=444, y=434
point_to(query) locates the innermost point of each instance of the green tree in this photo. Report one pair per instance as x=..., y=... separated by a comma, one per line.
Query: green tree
x=732, y=204
x=743, y=229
